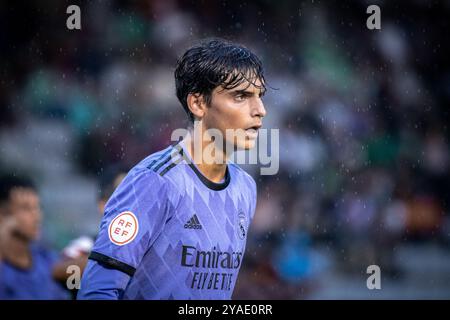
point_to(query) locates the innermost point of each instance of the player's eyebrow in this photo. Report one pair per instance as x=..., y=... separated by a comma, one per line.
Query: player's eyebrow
x=246, y=92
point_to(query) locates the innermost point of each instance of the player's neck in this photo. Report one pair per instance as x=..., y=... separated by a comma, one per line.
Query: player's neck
x=215, y=172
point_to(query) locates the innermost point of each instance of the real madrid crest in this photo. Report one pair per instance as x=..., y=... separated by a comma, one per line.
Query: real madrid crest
x=242, y=225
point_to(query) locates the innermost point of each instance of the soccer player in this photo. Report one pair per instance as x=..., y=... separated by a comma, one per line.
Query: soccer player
x=25, y=267
x=176, y=226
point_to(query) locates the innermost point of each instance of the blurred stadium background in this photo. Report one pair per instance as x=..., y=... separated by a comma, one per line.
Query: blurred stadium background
x=363, y=117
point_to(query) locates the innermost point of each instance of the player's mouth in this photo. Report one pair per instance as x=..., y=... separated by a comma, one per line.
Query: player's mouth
x=252, y=132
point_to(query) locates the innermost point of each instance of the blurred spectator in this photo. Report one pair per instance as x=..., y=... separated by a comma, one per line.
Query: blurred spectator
x=25, y=266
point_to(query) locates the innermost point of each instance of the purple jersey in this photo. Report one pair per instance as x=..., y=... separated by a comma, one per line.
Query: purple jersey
x=170, y=233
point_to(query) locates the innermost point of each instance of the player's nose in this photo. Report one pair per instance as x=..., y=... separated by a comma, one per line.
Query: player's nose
x=258, y=109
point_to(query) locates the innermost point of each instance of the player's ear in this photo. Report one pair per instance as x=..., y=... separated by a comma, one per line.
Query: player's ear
x=196, y=104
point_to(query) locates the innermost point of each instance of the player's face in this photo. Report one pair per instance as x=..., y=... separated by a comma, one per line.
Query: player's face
x=24, y=207
x=238, y=108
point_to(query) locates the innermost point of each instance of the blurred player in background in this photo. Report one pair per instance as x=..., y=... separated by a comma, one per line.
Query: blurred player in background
x=25, y=267
x=176, y=226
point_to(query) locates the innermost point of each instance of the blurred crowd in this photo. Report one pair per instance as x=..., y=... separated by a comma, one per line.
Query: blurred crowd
x=362, y=114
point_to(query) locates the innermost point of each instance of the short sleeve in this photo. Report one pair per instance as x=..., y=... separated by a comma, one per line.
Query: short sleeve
x=134, y=217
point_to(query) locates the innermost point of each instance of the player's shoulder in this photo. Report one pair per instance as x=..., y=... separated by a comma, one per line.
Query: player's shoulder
x=154, y=168
x=155, y=160
x=146, y=182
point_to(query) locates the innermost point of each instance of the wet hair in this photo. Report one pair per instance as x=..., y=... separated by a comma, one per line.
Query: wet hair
x=213, y=63
x=9, y=182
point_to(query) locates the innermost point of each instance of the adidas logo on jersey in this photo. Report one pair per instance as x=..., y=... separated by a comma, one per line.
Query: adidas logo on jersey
x=193, y=223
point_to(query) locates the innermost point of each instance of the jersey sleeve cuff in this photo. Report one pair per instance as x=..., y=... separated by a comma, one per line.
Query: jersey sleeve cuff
x=112, y=263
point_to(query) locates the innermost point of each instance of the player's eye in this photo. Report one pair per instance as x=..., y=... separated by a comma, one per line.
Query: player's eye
x=240, y=97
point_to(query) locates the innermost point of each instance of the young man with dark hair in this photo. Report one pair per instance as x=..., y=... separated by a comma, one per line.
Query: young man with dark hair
x=176, y=226
x=26, y=269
